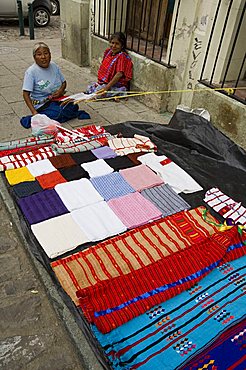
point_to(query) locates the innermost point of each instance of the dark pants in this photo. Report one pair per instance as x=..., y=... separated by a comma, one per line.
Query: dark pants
x=58, y=113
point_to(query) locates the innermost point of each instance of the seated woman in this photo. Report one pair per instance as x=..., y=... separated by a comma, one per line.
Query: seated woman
x=115, y=71
x=43, y=84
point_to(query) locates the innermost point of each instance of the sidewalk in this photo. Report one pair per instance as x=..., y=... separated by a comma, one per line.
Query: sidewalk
x=33, y=318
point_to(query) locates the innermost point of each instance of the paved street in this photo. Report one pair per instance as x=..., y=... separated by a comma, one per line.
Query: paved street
x=37, y=330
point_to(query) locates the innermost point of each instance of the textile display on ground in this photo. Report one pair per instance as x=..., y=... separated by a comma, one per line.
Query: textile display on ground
x=122, y=279
x=168, y=335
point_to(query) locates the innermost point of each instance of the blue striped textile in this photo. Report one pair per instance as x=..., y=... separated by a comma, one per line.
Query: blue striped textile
x=170, y=334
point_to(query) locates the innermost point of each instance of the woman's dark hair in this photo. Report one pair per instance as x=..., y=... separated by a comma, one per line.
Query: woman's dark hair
x=120, y=37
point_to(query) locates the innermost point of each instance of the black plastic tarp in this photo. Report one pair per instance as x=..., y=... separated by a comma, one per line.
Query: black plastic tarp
x=193, y=143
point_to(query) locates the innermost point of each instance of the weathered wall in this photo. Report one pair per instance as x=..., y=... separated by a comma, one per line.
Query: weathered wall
x=227, y=114
x=75, y=17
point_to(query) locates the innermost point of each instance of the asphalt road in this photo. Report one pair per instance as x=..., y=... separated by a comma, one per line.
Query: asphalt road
x=9, y=30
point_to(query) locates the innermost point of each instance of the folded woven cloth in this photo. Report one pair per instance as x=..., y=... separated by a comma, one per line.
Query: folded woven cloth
x=111, y=186
x=42, y=206
x=18, y=175
x=58, y=235
x=109, y=304
x=225, y=206
x=50, y=180
x=74, y=173
x=77, y=194
x=138, y=143
x=98, y=221
x=97, y=168
x=104, y=152
x=191, y=331
x=120, y=162
x=133, y=250
x=141, y=177
x=62, y=161
x=41, y=167
x=134, y=210
x=171, y=173
x=165, y=199
x=24, y=189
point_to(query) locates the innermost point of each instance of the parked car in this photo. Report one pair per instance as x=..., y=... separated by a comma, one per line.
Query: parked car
x=55, y=7
x=42, y=9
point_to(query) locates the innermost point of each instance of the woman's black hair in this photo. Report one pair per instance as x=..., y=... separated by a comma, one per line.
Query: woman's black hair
x=121, y=38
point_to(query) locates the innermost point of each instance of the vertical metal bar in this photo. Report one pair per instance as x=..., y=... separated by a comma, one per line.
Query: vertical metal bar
x=99, y=18
x=221, y=40
x=233, y=45
x=146, y=44
x=121, y=15
x=94, y=17
x=240, y=71
x=140, y=25
x=104, y=18
x=164, y=32
x=174, y=29
x=20, y=16
x=30, y=19
x=109, y=18
x=134, y=17
x=210, y=38
x=127, y=17
x=115, y=15
x=156, y=27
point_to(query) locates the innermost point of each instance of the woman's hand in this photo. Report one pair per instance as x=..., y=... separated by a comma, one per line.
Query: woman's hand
x=60, y=92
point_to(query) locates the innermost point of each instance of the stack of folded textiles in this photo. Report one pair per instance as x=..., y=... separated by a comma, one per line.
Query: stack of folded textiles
x=160, y=284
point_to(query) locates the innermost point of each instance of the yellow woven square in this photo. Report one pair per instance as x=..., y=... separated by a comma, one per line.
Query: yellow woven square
x=18, y=175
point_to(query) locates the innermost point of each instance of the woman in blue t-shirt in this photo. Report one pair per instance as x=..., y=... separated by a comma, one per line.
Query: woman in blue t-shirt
x=43, y=85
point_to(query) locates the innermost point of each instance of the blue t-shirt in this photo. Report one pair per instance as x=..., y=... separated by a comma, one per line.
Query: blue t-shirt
x=42, y=82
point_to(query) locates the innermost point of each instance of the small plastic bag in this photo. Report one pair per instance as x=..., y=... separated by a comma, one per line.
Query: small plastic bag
x=43, y=125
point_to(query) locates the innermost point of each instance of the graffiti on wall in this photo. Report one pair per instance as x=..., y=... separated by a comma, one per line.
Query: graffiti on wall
x=197, y=45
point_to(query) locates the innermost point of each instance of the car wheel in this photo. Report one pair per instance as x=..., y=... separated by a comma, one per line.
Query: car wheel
x=55, y=7
x=41, y=17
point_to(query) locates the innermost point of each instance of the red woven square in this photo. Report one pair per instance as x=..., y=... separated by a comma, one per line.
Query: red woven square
x=50, y=180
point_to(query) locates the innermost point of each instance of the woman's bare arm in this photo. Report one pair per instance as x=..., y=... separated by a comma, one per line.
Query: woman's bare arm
x=28, y=101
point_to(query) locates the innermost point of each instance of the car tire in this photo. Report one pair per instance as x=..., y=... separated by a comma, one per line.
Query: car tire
x=41, y=17
x=55, y=7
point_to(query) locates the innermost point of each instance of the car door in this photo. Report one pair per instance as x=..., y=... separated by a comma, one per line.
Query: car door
x=8, y=8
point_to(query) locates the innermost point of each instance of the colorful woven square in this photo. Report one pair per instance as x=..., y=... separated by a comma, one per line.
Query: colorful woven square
x=58, y=235
x=77, y=194
x=98, y=221
x=141, y=177
x=62, y=161
x=50, y=180
x=97, y=168
x=111, y=186
x=73, y=173
x=18, y=175
x=104, y=152
x=41, y=167
x=165, y=199
x=134, y=210
x=120, y=162
x=24, y=189
x=42, y=206
x=83, y=157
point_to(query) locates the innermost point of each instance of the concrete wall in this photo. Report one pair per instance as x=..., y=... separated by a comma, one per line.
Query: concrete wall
x=75, y=19
x=227, y=114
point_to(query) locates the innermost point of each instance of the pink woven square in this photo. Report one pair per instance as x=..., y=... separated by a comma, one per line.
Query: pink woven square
x=134, y=210
x=141, y=177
